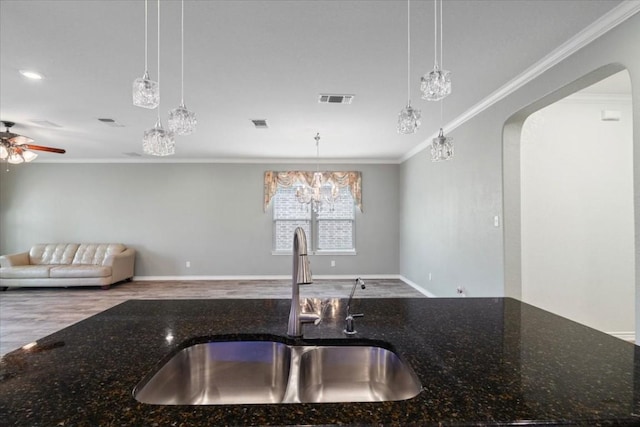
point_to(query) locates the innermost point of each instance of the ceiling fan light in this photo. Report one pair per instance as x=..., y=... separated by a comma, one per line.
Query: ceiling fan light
x=28, y=155
x=4, y=154
x=15, y=158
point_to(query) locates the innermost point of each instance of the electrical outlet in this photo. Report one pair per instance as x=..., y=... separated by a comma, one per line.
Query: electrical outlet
x=188, y=264
x=333, y=263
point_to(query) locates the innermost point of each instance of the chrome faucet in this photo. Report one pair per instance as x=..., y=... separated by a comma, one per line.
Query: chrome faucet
x=301, y=275
x=349, y=327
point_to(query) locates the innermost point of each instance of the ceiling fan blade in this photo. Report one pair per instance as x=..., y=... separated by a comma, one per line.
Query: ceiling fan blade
x=42, y=148
x=19, y=140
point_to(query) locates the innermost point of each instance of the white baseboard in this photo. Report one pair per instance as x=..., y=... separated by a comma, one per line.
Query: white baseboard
x=627, y=336
x=268, y=277
x=417, y=288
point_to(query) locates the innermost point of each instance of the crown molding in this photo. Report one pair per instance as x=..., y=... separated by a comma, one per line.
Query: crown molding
x=263, y=161
x=597, y=98
x=602, y=25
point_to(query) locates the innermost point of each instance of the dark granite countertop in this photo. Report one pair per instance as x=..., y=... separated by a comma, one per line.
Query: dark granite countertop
x=485, y=361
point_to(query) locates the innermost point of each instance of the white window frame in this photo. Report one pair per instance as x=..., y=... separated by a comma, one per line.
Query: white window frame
x=312, y=238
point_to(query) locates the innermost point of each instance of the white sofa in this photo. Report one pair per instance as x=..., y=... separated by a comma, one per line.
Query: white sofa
x=68, y=264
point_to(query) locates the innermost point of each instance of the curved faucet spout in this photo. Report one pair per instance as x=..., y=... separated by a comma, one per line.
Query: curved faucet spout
x=301, y=265
x=301, y=275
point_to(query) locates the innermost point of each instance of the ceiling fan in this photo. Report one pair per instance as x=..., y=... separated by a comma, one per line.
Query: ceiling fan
x=17, y=149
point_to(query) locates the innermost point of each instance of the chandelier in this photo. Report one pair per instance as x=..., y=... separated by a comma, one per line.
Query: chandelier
x=409, y=117
x=157, y=141
x=146, y=92
x=182, y=121
x=321, y=190
x=437, y=84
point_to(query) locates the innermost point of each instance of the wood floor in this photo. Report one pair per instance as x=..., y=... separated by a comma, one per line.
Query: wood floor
x=27, y=314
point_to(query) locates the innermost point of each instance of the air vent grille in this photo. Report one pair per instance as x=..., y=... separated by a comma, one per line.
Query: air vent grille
x=325, y=98
x=260, y=123
x=110, y=122
x=45, y=123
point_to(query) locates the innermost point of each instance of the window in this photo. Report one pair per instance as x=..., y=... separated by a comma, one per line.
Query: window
x=328, y=231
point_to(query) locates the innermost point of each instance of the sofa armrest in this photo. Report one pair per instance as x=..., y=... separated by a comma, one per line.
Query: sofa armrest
x=121, y=264
x=13, y=260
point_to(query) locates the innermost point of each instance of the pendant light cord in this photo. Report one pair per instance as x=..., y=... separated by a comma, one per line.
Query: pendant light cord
x=145, y=37
x=158, y=57
x=182, y=52
x=435, y=32
x=408, y=52
x=441, y=26
x=317, y=138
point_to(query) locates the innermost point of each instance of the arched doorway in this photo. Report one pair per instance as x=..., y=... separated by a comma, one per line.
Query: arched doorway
x=575, y=231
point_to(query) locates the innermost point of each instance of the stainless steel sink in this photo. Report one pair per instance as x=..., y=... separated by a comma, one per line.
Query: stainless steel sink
x=221, y=373
x=248, y=372
x=355, y=374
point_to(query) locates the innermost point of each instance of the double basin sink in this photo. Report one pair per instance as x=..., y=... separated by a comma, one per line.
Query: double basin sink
x=270, y=372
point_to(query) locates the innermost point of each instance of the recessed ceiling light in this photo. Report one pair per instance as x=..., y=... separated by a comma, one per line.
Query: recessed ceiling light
x=33, y=75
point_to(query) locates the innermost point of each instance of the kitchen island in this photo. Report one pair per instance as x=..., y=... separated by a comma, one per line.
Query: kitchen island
x=481, y=361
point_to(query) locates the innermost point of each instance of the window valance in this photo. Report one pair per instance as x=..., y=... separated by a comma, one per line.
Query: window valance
x=273, y=179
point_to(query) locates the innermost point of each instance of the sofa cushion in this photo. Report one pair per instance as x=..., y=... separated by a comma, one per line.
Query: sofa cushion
x=95, y=254
x=52, y=253
x=71, y=271
x=25, y=272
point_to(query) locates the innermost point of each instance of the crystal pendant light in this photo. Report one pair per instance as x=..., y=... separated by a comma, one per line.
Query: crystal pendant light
x=157, y=141
x=181, y=120
x=437, y=84
x=441, y=147
x=320, y=191
x=146, y=92
x=409, y=117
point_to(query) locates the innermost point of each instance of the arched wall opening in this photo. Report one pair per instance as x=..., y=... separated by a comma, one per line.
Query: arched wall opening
x=568, y=194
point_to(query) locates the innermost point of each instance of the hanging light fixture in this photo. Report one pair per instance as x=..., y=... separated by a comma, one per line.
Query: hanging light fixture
x=146, y=92
x=15, y=154
x=157, y=141
x=409, y=117
x=437, y=84
x=441, y=148
x=182, y=121
x=321, y=190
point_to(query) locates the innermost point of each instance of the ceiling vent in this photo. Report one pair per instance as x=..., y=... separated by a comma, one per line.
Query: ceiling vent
x=45, y=123
x=324, y=98
x=132, y=154
x=112, y=123
x=260, y=123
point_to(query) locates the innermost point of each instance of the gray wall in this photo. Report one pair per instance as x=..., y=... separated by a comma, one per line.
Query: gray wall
x=209, y=214
x=447, y=209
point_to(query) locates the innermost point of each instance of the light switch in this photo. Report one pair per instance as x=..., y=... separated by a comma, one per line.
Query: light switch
x=496, y=221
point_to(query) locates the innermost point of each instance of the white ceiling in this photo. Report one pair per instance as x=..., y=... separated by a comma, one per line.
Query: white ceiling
x=263, y=60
